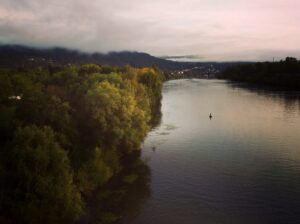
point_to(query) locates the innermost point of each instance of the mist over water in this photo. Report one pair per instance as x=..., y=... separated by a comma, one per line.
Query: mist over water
x=240, y=167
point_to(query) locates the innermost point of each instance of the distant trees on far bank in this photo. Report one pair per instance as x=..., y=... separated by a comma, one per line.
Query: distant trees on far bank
x=284, y=74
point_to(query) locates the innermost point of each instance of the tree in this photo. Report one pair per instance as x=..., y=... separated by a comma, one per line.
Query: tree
x=36, y=179
x=93, y=173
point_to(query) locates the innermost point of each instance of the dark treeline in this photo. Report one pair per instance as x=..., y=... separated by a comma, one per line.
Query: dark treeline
x=68, y=131
x=285, y=74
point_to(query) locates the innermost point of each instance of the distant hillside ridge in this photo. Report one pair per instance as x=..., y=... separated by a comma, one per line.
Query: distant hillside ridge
x=15, y=55
x=18, y=55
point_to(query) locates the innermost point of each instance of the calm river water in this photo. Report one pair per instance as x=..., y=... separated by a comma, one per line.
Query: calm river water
x=240, y=167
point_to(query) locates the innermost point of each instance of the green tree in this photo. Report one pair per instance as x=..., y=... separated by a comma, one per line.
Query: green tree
x=93, y=173
x=37, y=181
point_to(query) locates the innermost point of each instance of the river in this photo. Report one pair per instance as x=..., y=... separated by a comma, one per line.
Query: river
x=240, y=167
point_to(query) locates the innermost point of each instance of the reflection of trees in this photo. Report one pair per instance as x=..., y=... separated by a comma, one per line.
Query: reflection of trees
x=138, y=193
x=290, y=99
x=156, y=116
x=120, y=200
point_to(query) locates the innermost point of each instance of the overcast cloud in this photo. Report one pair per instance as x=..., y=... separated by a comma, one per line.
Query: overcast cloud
x=210, y=29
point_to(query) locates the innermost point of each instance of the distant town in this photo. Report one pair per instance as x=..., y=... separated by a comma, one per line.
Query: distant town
x=207, y=71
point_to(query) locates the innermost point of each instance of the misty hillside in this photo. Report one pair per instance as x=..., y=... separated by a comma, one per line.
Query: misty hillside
x=15, y=55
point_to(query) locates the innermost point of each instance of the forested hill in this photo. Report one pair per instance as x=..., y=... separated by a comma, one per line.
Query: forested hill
x=283, y=74
x=16, y=55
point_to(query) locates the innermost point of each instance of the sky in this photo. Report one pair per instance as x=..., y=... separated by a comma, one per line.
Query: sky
x=206, y=30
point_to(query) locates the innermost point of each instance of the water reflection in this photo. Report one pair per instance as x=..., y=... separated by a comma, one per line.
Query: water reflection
x=241, y=167
x=119, y=201
x=290, y=99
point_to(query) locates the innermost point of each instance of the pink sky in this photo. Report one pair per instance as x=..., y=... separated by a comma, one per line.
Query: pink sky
x=211, y=29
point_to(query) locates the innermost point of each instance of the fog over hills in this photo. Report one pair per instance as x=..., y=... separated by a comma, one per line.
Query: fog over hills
x=13, y=55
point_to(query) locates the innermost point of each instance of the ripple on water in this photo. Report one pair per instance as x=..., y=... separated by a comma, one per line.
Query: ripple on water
x=242, y=167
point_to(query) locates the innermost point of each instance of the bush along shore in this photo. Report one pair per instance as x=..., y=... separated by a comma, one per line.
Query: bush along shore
x=69, y=131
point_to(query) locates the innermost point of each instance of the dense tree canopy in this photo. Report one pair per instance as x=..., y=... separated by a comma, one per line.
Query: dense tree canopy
x=66, y=131
x=38, y=186
x=278, y=74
